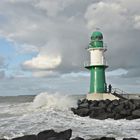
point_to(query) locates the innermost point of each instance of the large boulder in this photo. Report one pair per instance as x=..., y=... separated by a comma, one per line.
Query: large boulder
x=98, y=113
x=136, y=114
x=125, y=112
x=77, y=138
x=44, y=135
x=83, y=105
x=52, y=135
x=65, y=134
x=81, y=112
x=136, y=103
x=107, y=138
x=118, y=108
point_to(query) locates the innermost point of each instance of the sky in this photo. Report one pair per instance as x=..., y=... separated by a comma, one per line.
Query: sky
x=47, y=39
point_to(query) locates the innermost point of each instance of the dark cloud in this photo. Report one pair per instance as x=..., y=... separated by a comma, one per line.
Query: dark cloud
x=62, y=29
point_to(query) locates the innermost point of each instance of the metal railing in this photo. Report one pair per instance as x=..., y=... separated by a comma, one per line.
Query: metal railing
x=120, y=92
x=88, y=63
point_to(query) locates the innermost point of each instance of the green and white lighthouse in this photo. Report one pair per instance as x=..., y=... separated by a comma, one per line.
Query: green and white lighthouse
x=97, y=66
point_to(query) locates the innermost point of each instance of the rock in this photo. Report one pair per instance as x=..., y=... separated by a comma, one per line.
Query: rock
x=93, y=104
x=118, y=108
x=52, y=135
x=27, y=137
x=131, y=106
x=115, y=102
x=55, y=138
x=82, y=112
x=130, y=139
x=84, y=101
x=104, y=138
x=103, y=109
x=74, y=110
x=79, y=102
x=136, y=114
x=107, y=138
x=96, y=111
x=129, y=118
x=78, y=138
x=65, y=134
x=136, y=103
x=125, y=112
x=102, y=104
x=83, y=105
x=110, y=107
x=118, y=116
x=111, y=115
x=44, y=135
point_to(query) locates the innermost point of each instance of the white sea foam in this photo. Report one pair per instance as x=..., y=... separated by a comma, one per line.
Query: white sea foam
x=49, y=111
x=58, y=101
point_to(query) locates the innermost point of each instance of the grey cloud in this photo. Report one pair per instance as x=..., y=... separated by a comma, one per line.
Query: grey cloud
x=2, y=62
x=2, y=74
x=28, y=23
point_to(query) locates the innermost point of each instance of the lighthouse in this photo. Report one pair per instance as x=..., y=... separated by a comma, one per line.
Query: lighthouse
x=97, y=66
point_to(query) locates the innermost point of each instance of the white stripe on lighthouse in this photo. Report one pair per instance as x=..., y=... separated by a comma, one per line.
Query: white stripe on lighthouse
x=97, y=57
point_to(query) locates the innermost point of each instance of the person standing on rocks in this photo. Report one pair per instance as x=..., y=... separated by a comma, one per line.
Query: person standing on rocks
x=109, y=88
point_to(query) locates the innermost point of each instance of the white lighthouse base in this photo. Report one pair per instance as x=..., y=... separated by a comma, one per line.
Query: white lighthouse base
x=101, y=96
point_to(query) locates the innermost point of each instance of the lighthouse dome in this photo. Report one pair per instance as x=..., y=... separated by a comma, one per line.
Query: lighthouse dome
x=96, y=36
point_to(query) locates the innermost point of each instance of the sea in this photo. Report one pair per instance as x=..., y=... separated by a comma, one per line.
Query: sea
x=29, y=114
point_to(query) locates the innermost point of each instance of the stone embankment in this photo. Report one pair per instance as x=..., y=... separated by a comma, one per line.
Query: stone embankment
x=103, y=109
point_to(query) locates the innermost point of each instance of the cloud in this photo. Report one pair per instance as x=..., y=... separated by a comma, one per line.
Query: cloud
x=119, y=21
x=48, y=73
x=59, y=31
x=2, y=62
x=42, y=62
x=52, y=8
x=2, y=74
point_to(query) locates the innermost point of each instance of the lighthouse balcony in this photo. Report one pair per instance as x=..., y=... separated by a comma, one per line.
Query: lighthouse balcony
x=88, y=64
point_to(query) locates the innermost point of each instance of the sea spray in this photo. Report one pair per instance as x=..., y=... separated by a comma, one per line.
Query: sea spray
x=50, y=100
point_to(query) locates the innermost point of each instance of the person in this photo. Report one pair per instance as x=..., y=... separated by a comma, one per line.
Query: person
x=109, y=88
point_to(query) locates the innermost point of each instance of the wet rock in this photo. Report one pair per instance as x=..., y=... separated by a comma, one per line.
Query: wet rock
x=102, y=104
x=52, y=135
x=136, y=113
x=118, y=108
x=46, y=134
x=107, y=138
x=93, y=104
x=96, y=112
x=78, y=138
x=125, y=112
x=82, y=112
x=104, y=138
x=83, y=105
x=115, y=102
x=103, y=109
x=130, y=139
x=27, y=137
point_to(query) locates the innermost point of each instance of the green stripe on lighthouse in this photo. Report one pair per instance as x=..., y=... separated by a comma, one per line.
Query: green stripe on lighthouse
x=97, y=79
x=97, y=66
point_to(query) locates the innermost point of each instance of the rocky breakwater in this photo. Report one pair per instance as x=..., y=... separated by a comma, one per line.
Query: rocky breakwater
x=103, y=109
x=64, y=135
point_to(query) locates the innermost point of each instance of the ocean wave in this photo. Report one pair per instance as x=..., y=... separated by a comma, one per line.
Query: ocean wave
x=56, y=101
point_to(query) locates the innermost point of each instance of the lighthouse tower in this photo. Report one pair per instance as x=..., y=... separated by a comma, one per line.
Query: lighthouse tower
x=97, y=66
